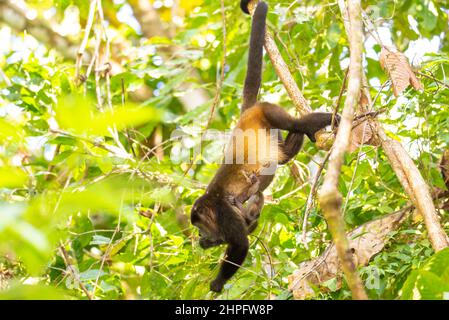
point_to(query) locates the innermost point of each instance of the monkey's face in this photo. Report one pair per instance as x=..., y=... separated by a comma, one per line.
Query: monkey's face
x=204, y=217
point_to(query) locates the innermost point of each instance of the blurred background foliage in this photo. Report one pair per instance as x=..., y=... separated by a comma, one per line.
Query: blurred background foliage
x=95, y=192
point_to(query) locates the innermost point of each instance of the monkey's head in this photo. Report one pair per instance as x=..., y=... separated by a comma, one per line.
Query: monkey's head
x=220, y=222
x=204, y=216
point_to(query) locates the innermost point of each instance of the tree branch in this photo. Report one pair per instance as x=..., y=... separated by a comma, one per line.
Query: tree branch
x=415, y=186
x=407, y=172
x=74, y=273
x=329, y=197
x=365, y=241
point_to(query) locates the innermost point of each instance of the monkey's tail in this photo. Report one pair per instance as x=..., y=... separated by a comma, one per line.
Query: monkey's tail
x=255, y=57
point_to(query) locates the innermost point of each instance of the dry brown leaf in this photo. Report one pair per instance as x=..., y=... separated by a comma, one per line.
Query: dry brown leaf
x=297, y=172
x=359, y=137
x=363, y=100
x=399, y=70
x=364, y=241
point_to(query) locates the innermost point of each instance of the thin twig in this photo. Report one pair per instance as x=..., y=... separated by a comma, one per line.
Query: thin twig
x=371, y=114
x=355, y=171
x=309, y=201
x=108, y=251
x=223, y=67
x=330, y=198
x=5, y=78
x=82, y=49
x=434, y=79
x=372, y=30
x=97, y=72
x=219, y=82
x=270, y=260
x=340, y=95
x=66, y=259
x=128, y=136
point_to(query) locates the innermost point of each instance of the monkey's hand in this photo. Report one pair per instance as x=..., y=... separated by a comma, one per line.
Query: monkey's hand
x=254, y=184
x=314, y=128
x=250, y=177
x=217, y=285
x=207, y=243
x=337, y=120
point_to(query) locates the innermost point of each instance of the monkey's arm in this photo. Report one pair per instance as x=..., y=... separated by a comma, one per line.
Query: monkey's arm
x=253, y=186
x=251, y=211
x=206, y=243
x=235, y=233
x=235, y=255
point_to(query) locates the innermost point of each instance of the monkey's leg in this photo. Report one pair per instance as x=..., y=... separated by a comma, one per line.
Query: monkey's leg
x=291, y=146
x=309, y=124
x=234, y=230
x=250, y=212
x=253, y=181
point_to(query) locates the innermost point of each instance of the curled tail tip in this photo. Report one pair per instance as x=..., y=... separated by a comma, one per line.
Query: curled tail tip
x=244, y=5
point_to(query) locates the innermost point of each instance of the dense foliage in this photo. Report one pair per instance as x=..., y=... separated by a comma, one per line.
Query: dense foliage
x=95, y=192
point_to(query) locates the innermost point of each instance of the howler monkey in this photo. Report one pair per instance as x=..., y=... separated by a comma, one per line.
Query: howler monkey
x=231, y=205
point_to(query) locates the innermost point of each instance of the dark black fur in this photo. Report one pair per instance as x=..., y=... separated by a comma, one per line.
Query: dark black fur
x=255, y=56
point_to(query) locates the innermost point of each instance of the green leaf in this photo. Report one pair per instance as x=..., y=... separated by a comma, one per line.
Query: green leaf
x=91, y=274
x=10, y=132
x=333, y=34
x=409, y=290
x=430, y=281
x=12, y=177
x=100, y=240
x=79, y=115
x=438, y=263
x=33, y=292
